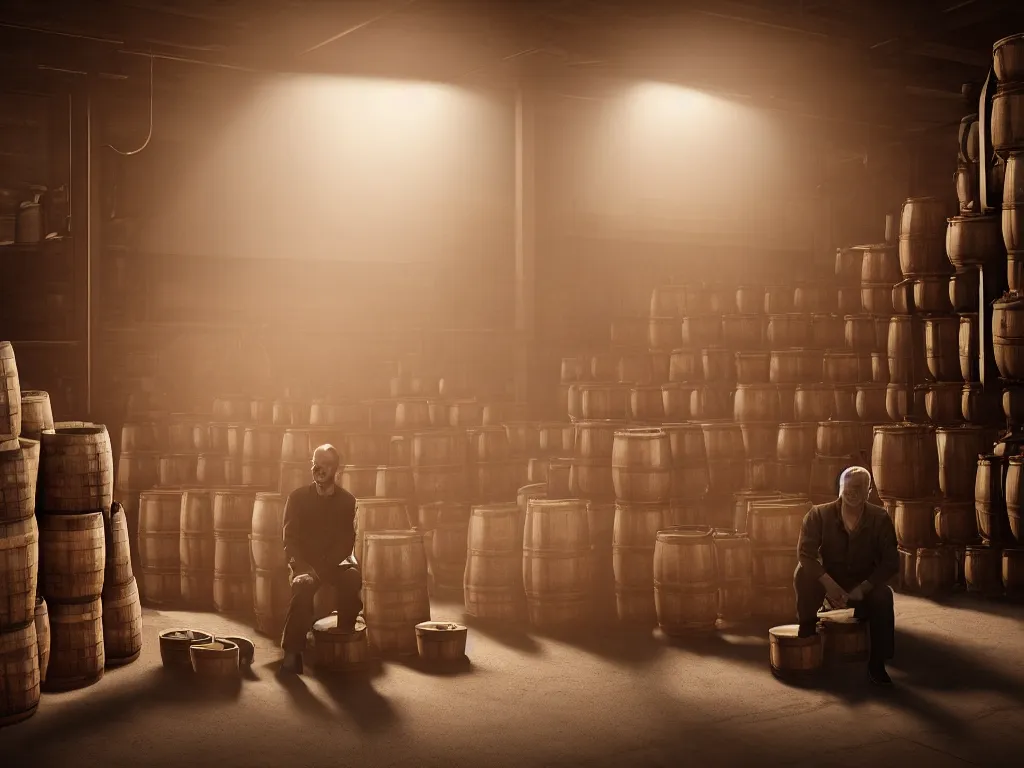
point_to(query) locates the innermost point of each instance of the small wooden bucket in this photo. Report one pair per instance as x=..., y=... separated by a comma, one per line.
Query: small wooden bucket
x=175, y=644
x=846, y=637
x=217, y=659
x=792, y=655
x=335, y=650
x=441, y=641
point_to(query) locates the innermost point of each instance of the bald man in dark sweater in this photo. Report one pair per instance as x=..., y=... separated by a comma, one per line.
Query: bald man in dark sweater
x=319, y=533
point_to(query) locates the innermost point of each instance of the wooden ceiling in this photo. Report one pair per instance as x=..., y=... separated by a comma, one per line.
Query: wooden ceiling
x=872, y=61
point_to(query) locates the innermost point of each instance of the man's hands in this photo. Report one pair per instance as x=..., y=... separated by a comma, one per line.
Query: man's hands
x=859, y=592
x=837, y=596
x=303, y=580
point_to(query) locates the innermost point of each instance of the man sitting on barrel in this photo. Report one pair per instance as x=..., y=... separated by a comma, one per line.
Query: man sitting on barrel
x=848, y=554
x=319, y=531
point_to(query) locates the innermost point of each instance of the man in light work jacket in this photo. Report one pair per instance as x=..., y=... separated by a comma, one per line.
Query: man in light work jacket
x=848, y=553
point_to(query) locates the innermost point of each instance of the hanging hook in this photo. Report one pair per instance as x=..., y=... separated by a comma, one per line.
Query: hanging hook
x=150, y=134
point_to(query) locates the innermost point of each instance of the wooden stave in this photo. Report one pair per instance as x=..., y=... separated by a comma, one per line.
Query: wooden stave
x=77, y=654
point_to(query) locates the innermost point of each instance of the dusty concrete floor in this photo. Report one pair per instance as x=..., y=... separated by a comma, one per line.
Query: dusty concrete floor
x=608, y=698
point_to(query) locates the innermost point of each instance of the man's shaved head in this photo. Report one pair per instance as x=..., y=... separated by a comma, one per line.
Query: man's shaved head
x=327, y=454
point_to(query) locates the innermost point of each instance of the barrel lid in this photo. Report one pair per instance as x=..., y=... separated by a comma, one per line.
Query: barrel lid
x=840, y=616
x=679, y=533
x=379, y=501
x=394, y=535
x=927, y=552
x=441, y=627
x=808, y=425
x=495, y=508
x=763, y=353
x=1008, y=39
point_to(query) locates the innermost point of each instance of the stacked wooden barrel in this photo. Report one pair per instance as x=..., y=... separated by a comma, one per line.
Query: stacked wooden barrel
x=270, y=589
x=138, y=466
x=232, y=569
x=642, y=471
x=159, y=542
x=395, y=589
x=76, y=475
x=557, y=562
x=20, y=646
x=493, y=585
x=773, y=527
x=122, y=607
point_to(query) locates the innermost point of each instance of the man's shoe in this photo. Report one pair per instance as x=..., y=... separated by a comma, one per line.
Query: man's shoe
x=292, y=663
x=808, y=630
x=878, y=675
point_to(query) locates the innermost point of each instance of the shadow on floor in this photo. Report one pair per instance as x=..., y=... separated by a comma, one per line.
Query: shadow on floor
x=512, y=635
x=457, y=668
x=356, y=695
x=1005, y=607
x=154, y=689
x=623, y=644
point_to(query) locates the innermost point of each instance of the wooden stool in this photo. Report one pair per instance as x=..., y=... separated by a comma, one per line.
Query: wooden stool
x=792, y=655
x=441, y=641
x=846, y=637
x=337, y=650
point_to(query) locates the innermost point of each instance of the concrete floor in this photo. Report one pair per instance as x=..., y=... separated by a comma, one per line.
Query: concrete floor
x=608, y=698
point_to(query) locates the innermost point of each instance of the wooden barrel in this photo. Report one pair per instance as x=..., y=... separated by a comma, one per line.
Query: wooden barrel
x=271, y=594
x=760, y=440
x=711, y=402
x=825, y=472
x=634, y=534
x=967, y=347
x=915, y=523
x=559, y=477
x=772, y=524
x=10, y=392
x=438, y=448
x=989, y=499
x=936, y=571
x=733, y=564
x=983, y=569
x=753, y=367
x=689, y=460
x=600, y=526
x=19, y=467
x=1008, y=336
x=685, y=366
x=594, y=439
x=1013, y=493
x=845, y=367
x=122, y=623
x=72, y=556
x=324, y=413
x=488, y=443
x=904, y=461
x=837, y=438
x=646, y=403
x=296, y=474
x=756, y=402
x=136, y=472
x=210, y=469
x=438, y=483
x=789, y=330
x=603, y=400
x=232, y=554
x=42, y=623
x=725, y=452
x=845, y=637
x=395, y=482
x=813, y=402
x=956, y=522
x=685, y=579
x=814, y=297
x=76, y=645
x=266, y=543
x=668, y=301
x=795, y=366
x=178, y=469
x=642, y=465
x=859, y=333
x=196, y=546
x=793, y=656
x=675, y=401
x=395, y=589
x=378, y=514
x=232, y=408
x=188, y=433
x=495, y=481
x=591, y=479
x=118, y=565
x=76, y=470
x=870, y=403
x=556, y=437
x=741, y=507
x=1013, y=572
x=493, y=578
x=20, y=686
x=36, y=414
x=879, y=264
x=365, y=448
x=778, y=299
x=922, y=227
x=750, y=299
x=226, y=439
x=958, y=451
x=465, y=413
x=742, y=331
x=942, y=347
x=702, y=330
x=796, y=441
x=447, y=551
x=346, y=650
x=360, y=481
x=19, y=563
x=524, y=437
x=557, y=575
